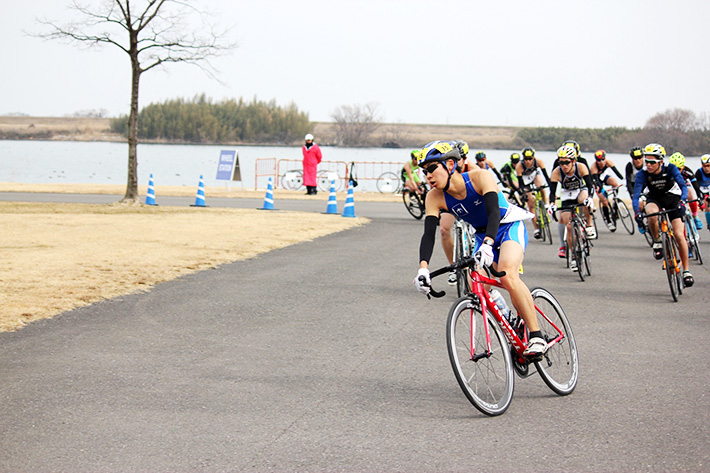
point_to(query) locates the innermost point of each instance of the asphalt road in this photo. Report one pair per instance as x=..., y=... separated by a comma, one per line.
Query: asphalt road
x=323, y=357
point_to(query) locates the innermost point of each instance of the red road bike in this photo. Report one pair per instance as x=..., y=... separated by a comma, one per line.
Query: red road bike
x=485, y=348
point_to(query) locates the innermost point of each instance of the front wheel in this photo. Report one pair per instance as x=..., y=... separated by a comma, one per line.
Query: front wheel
x=413, y=203
x=670, y=265
x=627, y=220
x=578, y=250
x=559, y=368
x=485, y=376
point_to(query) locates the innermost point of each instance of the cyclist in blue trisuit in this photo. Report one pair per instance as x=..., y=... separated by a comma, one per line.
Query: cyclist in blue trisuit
x=665, y=189
x=501, y=236
x=702, y=175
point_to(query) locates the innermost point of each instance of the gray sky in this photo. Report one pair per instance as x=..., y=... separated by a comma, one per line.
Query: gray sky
x=592, y=63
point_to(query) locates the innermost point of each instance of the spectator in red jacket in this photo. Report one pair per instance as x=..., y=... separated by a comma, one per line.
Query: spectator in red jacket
x=311, y=158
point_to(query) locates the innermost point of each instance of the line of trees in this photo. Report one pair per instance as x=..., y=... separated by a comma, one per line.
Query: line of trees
x=676, y=129
x=200, y=120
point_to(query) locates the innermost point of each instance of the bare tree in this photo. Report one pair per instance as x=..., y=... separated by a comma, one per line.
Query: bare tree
x=152, y=33
x=355, y=124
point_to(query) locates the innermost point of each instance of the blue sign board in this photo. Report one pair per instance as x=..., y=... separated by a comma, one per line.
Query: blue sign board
x=228, y=167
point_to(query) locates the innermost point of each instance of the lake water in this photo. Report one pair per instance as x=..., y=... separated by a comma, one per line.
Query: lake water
x=42, y=162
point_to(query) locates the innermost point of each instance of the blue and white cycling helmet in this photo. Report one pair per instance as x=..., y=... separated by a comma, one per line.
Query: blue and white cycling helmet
x=439, y=151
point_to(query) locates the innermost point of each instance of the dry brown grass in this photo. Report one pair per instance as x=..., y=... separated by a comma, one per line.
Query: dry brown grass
x=56, y=257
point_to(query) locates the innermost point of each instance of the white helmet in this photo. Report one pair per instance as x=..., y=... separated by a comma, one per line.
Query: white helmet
x=309, y=137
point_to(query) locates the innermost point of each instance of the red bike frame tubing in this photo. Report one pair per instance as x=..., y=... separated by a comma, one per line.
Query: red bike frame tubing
x=487, y=305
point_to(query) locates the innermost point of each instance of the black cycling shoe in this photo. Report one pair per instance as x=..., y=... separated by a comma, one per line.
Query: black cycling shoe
x=688, y=280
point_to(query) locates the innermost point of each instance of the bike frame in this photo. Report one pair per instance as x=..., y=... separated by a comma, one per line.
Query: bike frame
x=478, y=282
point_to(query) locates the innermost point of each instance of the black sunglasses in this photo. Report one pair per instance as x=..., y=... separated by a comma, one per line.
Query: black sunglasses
x=565, y=163
x=431, y=168
x=638, y=157
x=529, y=158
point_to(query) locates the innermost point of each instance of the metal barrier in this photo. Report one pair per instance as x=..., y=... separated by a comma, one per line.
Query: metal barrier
x=264, y=167
x=365, y=172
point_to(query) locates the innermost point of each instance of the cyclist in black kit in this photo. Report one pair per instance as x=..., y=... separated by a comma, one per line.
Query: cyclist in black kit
x=665, y=189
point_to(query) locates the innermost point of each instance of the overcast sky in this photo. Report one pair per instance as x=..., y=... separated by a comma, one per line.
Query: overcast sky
x=592, y=63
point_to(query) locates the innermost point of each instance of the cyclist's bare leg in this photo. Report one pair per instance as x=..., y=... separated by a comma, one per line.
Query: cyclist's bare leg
x=652, y=208
x=585, y=211
x=566, y=219
x=531, y=206
x=679, y=234
x=509, y=260
x=446, y=221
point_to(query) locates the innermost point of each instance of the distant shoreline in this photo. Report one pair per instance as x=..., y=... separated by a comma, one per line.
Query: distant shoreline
x=405, y=135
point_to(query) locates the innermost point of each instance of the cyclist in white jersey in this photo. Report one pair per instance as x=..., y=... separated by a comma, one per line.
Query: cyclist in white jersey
x=576, y=183
x=531, y=170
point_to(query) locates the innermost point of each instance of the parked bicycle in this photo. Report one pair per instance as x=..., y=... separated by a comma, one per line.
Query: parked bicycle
x=671, y=253
x=414, y=201
x=293, y=180
x=618, y=211
x=485, y=348
x=389, y=183
x=691, y=234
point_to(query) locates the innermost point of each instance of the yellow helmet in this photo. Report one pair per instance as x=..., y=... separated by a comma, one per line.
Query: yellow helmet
x=677, y=159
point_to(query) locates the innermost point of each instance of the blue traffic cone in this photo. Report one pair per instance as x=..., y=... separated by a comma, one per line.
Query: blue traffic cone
x=349, y=210
x=332, y=200
x=269, y=198
x=150, y=196
x=200, y=198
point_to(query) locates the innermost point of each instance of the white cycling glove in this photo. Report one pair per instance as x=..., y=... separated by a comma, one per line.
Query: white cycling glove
x=423, y=281
x=551, y=209
x=589, y=202
x=484, y=255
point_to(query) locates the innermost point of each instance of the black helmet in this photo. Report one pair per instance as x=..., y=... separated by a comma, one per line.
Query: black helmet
x=515, y=158
x=636, y=152
x=480, y=156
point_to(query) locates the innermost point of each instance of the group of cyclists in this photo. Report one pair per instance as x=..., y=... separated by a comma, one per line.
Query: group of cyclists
x=460, y=189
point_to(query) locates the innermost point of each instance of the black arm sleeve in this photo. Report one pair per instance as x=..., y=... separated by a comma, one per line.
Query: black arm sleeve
x=553, y=190
x=426, y=246
x=588, y=182
x=616, y=171
x=490, y=200
x=547, y=178
x=629, y=177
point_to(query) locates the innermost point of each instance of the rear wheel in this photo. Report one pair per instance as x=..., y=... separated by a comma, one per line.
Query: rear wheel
x=693, y=239
x=292, y=180
x=559, y=368
x=461, y=246
x=486, y=377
